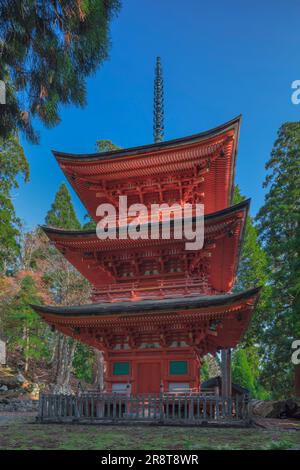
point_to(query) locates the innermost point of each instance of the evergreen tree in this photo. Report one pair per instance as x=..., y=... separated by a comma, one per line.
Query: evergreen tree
x=48, y=49
x=253, y=272
x=67, y=287
x=23, y=327
x=279, y=221
x=13, y=164
x=62, y=213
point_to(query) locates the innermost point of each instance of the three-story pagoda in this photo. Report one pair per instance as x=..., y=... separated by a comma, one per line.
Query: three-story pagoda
x=158, y=308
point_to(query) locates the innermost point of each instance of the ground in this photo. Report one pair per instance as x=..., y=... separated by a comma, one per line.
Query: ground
x=21, y=432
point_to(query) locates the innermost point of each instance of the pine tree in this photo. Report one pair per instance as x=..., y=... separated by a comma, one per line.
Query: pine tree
x=48, y=49
x=279, y=221
x=62, y=213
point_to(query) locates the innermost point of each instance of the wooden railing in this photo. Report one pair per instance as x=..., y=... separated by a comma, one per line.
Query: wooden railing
x=159, y=288
x=164, y=408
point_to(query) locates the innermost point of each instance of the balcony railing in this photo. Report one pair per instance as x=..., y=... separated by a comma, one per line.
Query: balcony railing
x=159, y=289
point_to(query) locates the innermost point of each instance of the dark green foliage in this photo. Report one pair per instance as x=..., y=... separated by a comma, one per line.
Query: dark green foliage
x=62, y=213
x=279, y=221
x=23, y=327
x=253, y=272
x=83, y=362
x=13, y=163
x=246, y=371
x=48, y=49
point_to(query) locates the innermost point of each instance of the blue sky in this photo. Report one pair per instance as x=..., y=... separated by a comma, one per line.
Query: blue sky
x=219, y=58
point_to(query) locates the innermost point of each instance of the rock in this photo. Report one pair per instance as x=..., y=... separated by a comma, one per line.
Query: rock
x=293, y=408
x=289, y=408
x=261, y=408
x=3, y=388
x=16, y=405
x=10, y=381
x=20, y=378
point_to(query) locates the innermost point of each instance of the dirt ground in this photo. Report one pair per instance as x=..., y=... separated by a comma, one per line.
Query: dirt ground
x=20, y=431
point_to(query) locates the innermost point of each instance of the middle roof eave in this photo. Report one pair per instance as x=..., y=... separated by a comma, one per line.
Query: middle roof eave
x=241, y=206
x=144, y=306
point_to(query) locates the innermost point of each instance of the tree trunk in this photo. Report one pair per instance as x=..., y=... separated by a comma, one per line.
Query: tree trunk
x=99, y=370
x=26, y=348
x=62, y=364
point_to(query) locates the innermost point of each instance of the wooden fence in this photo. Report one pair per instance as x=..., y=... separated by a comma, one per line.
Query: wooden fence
x=163, y=409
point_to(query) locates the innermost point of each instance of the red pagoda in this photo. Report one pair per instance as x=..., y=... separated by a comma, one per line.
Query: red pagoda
x=158, y=308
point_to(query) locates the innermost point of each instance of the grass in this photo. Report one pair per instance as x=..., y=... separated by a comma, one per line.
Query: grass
x=23, y=434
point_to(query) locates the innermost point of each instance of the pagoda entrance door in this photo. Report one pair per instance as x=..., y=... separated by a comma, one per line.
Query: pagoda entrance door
x=148, y=377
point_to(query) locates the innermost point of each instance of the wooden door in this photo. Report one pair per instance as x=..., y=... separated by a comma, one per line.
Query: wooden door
x=148, y=377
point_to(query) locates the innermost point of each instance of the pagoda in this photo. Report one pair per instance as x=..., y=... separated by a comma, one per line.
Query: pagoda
x=158, y=308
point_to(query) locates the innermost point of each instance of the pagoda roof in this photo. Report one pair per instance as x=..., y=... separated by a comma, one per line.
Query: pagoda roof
x=58, y=233
x=223, y=238
x=199, y=166
x=150, y=148
x=148, y=306
x=209, y=323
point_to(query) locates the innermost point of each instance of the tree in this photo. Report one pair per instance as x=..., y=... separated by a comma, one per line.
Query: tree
x=106, y=146
x=23, y=327
x=66, y=285
x=246, y=370
x=278, y=225
x=62, y=213
x=210, y=367
x=253, y=272
x=13, y=164
x=48, y=49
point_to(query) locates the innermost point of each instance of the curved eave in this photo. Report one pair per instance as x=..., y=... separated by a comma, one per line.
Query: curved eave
x=213, y=217
x=150, y=306
x=144, y=149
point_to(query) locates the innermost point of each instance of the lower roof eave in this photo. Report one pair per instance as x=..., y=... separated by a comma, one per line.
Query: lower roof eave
x=144, y=306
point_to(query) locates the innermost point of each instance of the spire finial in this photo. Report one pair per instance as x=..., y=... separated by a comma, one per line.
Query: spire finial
x=158, y=117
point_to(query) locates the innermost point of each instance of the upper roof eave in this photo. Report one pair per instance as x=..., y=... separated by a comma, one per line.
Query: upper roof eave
x=132, y=151
x=243, y=205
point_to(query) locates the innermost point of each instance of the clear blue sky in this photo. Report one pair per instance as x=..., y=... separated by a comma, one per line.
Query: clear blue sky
x=220, y=58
